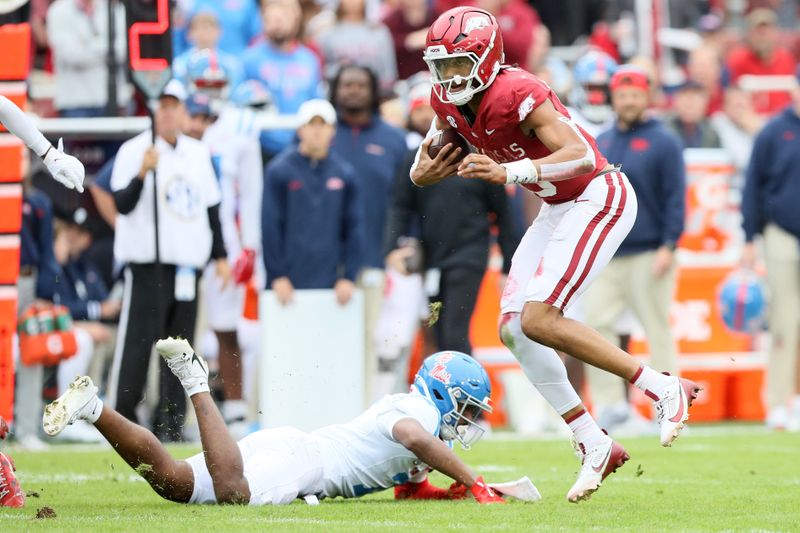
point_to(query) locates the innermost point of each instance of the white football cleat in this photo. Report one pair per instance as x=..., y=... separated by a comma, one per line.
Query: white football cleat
x=778, y=418
x=188, y=367
x=672, y=408
x=596, y=464
x=78, y=403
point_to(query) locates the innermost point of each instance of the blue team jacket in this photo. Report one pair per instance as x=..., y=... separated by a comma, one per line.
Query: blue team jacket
x=36, y=240
x=78, y=286
x=377, y=152
x=652, y=158
x=772, y=188
x=311, y=221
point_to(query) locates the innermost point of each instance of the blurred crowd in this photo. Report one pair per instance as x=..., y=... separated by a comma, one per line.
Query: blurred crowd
x=328, y=204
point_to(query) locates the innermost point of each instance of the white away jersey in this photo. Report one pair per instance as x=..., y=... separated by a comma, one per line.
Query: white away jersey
x=362, y=456
x=237, y=157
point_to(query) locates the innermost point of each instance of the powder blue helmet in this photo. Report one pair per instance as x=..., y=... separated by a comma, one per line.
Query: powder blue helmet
x=459, y=388
x=207, y=74
x=742, y=301
x=590, y=94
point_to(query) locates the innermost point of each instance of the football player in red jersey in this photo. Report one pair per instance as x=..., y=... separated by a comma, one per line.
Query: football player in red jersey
x=524, y=135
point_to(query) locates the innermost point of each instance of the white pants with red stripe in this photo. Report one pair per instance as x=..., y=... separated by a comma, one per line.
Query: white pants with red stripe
x=568, y=244
x=561, y=253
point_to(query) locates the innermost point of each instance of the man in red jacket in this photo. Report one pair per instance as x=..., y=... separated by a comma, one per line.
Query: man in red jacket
x=762, y=56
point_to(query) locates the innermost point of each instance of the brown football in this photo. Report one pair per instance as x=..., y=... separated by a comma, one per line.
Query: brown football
x=443, y=138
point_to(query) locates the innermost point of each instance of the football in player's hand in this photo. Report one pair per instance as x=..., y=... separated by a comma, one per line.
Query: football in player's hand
x=443, y=138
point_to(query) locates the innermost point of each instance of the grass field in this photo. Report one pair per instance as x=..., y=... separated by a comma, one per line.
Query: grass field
x=739, y=479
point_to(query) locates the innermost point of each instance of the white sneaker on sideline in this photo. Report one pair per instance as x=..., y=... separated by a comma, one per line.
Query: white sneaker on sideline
x=778, y=418
x=188, y=367
x=75, y=404
x=31, y=443
x=635, y=426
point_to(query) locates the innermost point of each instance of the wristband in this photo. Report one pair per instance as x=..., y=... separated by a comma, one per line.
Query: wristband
x=521, y=172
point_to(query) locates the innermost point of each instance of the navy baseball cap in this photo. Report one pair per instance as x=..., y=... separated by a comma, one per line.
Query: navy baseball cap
x=198, y=104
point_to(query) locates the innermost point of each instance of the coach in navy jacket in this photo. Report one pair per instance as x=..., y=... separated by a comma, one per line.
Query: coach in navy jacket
x=652, y=158
x=641, y=276
x=312, y=227
x=770, y=208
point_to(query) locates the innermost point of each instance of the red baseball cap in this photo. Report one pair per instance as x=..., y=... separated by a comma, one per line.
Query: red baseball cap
x=419, y=95
x=630, y=76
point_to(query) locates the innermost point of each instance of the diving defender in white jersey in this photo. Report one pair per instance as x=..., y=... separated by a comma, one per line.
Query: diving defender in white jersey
x=395, y=443
x=66, y=169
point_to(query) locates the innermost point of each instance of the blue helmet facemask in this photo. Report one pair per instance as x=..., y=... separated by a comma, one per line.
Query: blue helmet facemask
x=460, y=389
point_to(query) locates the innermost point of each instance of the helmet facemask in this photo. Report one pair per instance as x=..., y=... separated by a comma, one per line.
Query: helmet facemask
x=596, y=104
x=460, y=423
x=439, y=60
x=213, y=84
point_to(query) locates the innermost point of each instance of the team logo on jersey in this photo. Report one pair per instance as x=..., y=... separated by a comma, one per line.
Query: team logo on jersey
x=476, y=23
x=526, y=107
x=375, y=149
x=639, y=144
x=451, y=121
x=183, y=198
x=335, y=184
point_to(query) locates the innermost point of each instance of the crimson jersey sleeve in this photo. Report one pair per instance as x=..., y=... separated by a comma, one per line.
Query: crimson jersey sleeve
x=522, y=92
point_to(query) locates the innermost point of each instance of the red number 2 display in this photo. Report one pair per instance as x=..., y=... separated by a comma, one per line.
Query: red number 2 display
x=150, y=44
x=139, y=29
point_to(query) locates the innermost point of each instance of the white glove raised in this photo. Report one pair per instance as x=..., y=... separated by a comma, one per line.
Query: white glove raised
x=65, y=169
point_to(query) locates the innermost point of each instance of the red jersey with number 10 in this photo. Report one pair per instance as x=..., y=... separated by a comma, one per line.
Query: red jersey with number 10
x=496, y=130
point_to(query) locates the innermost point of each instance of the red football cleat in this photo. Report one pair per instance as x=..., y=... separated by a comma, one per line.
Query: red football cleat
x=11, y=494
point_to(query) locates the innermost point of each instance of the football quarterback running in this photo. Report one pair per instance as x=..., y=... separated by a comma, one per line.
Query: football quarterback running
x=395, y=443
x=523, y=135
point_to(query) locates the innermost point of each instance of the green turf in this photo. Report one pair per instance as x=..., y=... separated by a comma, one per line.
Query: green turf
x=729, y=480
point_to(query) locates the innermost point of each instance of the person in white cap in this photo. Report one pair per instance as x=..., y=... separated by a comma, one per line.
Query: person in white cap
x=312, y=222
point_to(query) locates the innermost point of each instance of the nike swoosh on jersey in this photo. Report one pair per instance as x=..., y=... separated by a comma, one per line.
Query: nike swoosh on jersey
x=489, y=132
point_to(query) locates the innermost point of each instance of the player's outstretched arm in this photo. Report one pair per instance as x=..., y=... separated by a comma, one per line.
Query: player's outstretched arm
x=65, y=169
x=435, y=453
x=426, y=171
